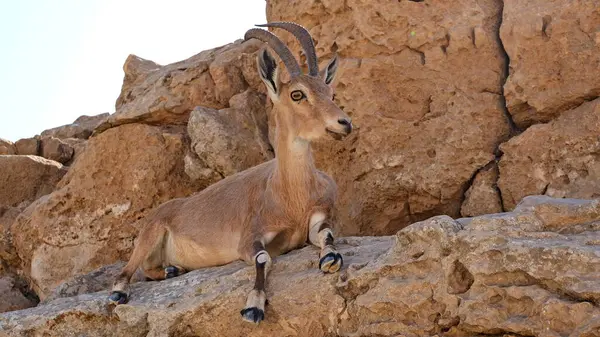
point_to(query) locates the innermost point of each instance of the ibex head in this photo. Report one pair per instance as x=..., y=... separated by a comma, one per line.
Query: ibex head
x=306, y=100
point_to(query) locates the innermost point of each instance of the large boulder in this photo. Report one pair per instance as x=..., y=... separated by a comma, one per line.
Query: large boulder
x=531, y=272
x=26, y=178
x=81, y=128
x=559, y=159
x=56, y=149
x=88, y=222
x=422, y=82
x=233, y=139
x=28, y=146
x=153, y=93
x=23, y=179
x=554, y=50
x=7, y=147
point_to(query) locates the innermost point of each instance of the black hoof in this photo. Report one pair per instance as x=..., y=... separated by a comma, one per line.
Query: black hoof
x=252, y=315
x=171, y=272
x=118, y=297
x=331, y=262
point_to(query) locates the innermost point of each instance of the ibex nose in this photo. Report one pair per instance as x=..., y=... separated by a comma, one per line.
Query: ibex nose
x=347, y=123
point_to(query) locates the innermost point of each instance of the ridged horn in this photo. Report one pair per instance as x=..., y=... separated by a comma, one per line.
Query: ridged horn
x=279, y=47
x=305, y=40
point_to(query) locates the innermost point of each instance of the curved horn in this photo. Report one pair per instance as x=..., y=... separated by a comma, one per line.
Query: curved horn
x=279, y=47
x=306, y=42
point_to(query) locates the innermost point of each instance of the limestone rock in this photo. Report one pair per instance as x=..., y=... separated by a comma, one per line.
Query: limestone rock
x=97, y=280
x=89, y=221
x=28, y=146
x=26, y=178
x=422, y=82
x=531, y=272
x=554, y=50
x=81, y=128
x=12, y=297
x=483, y=197
x=231, y=140
x=167, y=94
x=57, y=150
x=198, y=170
x=7, y=147
x=78, y=146
x=9, y=260
x=559, y=159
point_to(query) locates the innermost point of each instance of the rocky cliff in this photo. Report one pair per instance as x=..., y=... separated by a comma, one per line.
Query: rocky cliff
x=461, y=108
x=530, y=272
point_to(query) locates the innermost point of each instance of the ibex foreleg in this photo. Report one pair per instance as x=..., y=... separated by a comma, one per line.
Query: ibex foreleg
x=254, y=311
x=320, y=235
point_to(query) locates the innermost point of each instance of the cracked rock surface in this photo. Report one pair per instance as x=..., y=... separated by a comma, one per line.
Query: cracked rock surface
x=560, y=158
x=554, y=50
x=530, y=272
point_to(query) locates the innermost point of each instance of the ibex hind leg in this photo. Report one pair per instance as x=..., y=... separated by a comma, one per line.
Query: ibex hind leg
x=160, y=273
x=156, y=267
x=149, y=245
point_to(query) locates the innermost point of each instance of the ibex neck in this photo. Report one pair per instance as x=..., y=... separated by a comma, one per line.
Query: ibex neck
x=295, y=174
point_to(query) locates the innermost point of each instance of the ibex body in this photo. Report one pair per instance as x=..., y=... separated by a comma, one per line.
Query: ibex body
x=266, y=210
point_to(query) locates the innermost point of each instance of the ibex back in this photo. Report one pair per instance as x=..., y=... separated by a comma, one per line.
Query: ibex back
x=266, y=210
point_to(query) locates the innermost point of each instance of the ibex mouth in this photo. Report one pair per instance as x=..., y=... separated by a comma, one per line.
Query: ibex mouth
x=336, y=135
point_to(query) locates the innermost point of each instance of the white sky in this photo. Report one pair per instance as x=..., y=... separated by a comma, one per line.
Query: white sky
x=62, y=59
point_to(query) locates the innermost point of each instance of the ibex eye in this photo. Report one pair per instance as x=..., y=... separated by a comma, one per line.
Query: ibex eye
x=297, y=95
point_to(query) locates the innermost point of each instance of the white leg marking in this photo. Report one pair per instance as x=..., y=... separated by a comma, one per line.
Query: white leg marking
x=322, y=236
x=256, y=299
x=262, y=257
x=314, y=223
x=120, y=286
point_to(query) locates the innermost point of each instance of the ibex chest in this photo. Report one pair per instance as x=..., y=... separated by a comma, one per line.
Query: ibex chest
x=286, y=235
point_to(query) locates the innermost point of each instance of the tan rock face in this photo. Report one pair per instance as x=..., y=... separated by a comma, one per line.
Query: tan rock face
x=167, y=94
x=94, y=281
x=78, y=146
x=81, y=128
x=483, y=197
x=554, y=50
x=56, y=149
x=531, y=272
x=88, y=222
x=9, y=260
x=231, y=140
x=26, y=178
x=14, y=292
x=7, y=147
x=28, y=146
x=559, y=159
x=426, y=118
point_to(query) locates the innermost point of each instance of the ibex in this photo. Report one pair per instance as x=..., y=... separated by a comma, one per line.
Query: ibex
x=263, y=211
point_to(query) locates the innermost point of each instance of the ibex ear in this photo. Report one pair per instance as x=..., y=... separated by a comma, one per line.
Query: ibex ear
x=267, y=69
x=328, y=74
